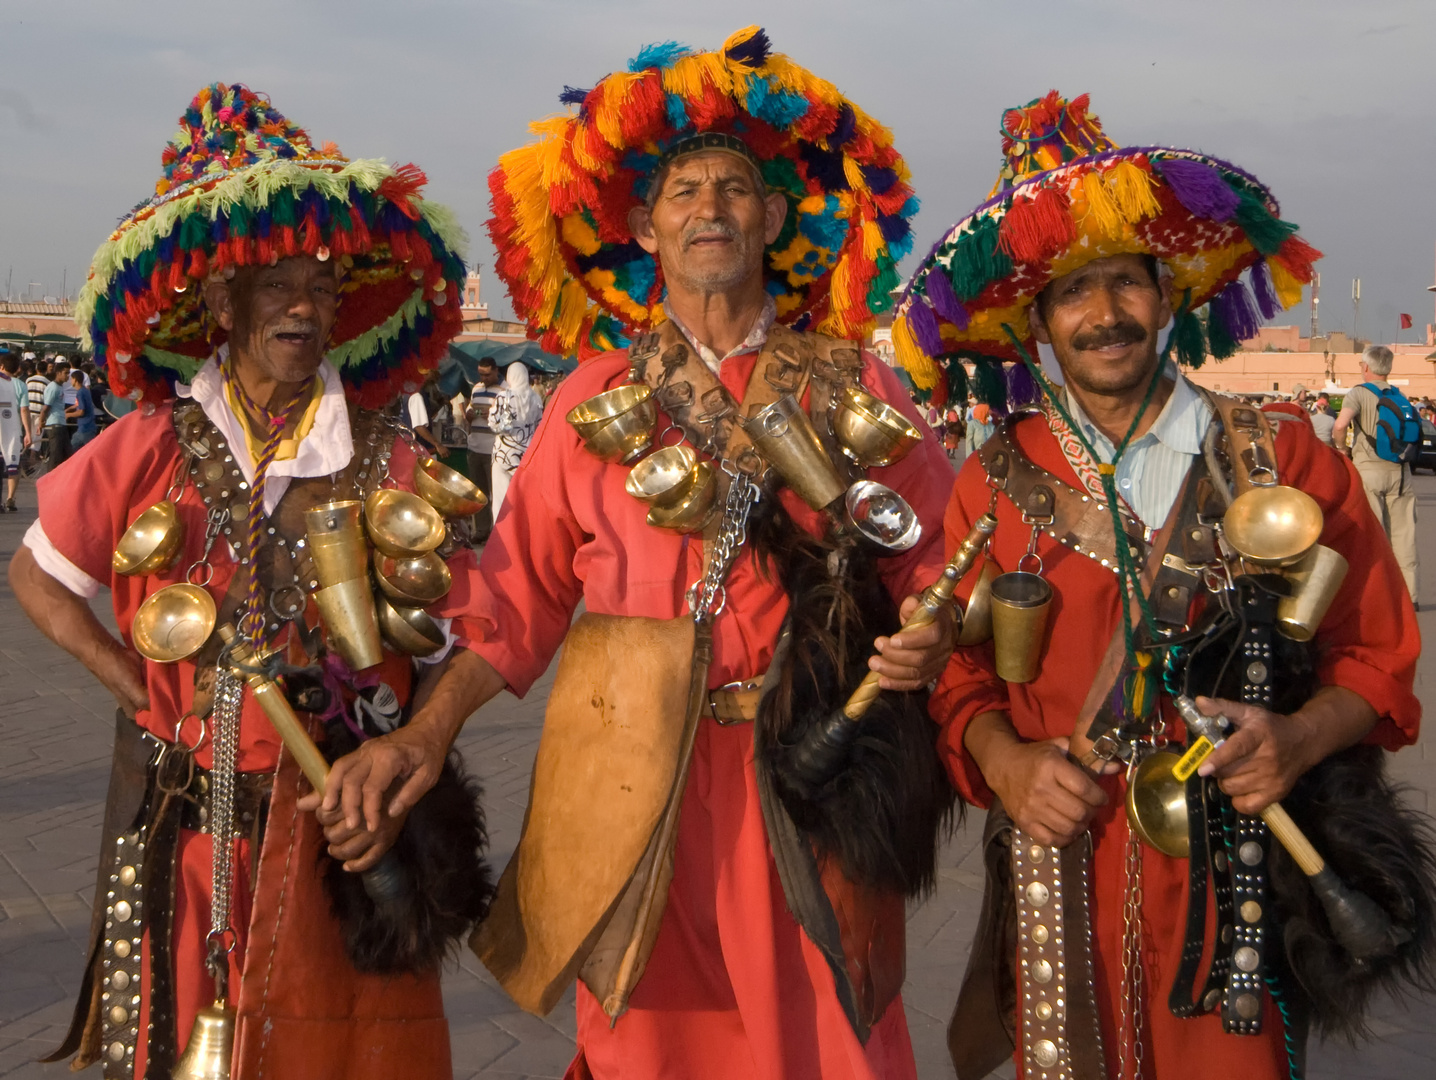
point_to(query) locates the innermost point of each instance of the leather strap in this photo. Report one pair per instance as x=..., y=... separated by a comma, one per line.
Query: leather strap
x=740, y=706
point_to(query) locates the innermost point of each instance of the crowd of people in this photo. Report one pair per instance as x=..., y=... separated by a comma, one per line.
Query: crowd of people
x=767, y=706
x=49, y=408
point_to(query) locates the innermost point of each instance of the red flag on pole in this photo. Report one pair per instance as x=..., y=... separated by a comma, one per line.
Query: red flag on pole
x=1405, y=322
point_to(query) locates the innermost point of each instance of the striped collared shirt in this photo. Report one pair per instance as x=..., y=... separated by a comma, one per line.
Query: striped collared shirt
x=1151, y=472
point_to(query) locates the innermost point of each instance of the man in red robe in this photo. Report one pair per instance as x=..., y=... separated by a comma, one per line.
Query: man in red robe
x=733, y=985
x=1096, y=299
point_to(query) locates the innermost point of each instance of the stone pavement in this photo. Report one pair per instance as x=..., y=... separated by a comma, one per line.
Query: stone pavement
x=55, y=734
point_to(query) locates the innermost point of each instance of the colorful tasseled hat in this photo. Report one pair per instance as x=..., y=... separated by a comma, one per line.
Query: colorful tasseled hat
x=560, y=223
x=242, y=185
x=1067, y=195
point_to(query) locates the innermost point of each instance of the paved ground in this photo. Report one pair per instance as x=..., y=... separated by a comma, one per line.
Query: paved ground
x=54, y=751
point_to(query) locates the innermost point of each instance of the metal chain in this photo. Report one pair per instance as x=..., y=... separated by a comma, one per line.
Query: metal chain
x=743, y=495
x=1133, y=988
x=228, y=699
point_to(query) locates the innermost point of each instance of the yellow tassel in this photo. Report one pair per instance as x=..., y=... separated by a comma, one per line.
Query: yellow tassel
x=615, y=101
x=1288, y=288
x=573, y=306
x=854, y=174
x=1102, y=209
x=919, y=366
x=873, y=242
x=1132, y=188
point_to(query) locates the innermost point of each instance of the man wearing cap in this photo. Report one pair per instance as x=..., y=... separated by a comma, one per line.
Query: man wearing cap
x=1094, y=261
x=255, y=308
x=706, y=202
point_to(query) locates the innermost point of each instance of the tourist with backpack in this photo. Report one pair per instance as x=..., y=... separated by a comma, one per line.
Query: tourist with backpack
x=1386, y=436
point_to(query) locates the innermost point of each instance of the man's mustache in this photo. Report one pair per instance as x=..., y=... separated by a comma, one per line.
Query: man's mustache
x=298, y=326
x=709, y=228
x=1122, y=333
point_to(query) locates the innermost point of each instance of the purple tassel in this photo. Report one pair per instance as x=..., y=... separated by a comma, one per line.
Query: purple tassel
x=944, y=300
x=1234, y=307
x=1265, y=292
x=1200, y=188
x=925, y=329
x=1022, y=388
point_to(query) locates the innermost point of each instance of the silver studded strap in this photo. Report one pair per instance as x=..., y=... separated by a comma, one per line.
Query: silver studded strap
x=120, y=959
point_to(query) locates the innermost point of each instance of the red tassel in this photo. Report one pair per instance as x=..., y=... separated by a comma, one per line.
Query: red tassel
x=1297, y=256
x=177, y=276
x=399, y=244
x=288, y=242
x=1037, y=227
x=402, y=186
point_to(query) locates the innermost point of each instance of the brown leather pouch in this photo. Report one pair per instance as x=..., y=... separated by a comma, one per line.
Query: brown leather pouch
x=604, y=772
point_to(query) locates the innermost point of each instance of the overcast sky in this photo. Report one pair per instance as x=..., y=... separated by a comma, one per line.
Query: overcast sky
x=1327, y=101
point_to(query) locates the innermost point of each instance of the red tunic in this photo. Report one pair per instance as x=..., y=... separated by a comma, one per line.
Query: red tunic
x=85, y=506
x=733, y=987
x=1368, y=643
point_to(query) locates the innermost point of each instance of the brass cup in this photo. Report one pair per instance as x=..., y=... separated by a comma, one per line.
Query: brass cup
x=447, y=490
x=173, y=623
x=1157, y=804
x=417, y=580
x=411, y=630
x=1314, y=583
x=399, y=523
x=881, y=515
x=692, y=512
x=151, y=542
x=347, y=609
x=977, y=616
x=664, y=477
x=870, y=430
x=784, y=436
x=617, y=425
x=1273, y=526
x=335, y=538
x=1020, y=605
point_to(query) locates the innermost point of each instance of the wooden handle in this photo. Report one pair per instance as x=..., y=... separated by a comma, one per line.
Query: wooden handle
x=1293, y=839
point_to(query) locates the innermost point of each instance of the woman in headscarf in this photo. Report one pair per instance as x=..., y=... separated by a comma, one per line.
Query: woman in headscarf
x=514, y=418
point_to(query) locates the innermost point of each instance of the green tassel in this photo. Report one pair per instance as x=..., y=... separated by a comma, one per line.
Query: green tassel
x=284, y=208
x=1139, y=690
x=977, y=261
x=1190, y=343
x=885, y=280
x=1222, y=344
x=241, y=219
x=956, y=372
x=991, y=386
x=193, y=232
x=102, y=319
x=1264, y=232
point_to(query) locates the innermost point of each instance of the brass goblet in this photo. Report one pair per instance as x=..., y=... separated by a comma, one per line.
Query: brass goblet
x=869, y=430
x=413, y=580
x=151, y=542
x=617, y=425
x=400, y=523
x=447, y=490
x=173, y=623
x=1273, y=526
x=411, y=630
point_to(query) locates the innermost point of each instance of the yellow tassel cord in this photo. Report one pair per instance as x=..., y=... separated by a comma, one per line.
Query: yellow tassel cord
x=609, y=118
x=923, y=371
x=1132, y=189
x=1102, y=215
x=1286, y=284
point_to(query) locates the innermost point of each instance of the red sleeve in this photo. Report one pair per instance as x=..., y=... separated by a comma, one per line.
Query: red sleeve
x=924, y=478
x=1369, y=641
x=969, y=686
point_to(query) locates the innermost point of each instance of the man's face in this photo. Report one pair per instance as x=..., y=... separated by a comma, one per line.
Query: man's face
x=278, y=317
x=1102, y=322
x=710, y=222
x=489, y=374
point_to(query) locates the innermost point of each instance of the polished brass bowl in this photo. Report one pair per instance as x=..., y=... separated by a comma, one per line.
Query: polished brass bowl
x=411, y=630
x=694, y=510
x=447, y=490
x=870, y=430
x=664, y=477
x=977, y=616
x=1273, y=526
x=173, y=623
x=1157, y=804
x=414, y=580
x=617, y=425
x=151, y=542
x=400, y=523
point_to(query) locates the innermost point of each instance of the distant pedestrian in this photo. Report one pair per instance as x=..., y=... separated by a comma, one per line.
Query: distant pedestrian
x=52, y=418
x=979, y=426
x=514, y=419
x=82, y=411
x=14, y=424
x=1323, y=418
x=1387, y=481
x=35, y=390
x=481, y=442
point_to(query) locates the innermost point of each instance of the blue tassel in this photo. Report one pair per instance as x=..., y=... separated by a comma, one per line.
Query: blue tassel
x=1265, y=292
x=944, y=299
x=753, y=52
x=925, y=328
x=572, y=95
x=660, y=54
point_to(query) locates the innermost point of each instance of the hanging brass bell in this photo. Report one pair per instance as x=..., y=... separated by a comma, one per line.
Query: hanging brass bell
x=211, y=1042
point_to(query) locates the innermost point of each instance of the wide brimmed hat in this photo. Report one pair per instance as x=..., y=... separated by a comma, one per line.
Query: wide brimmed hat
x=560, y=226
x=1068, y=195
x=244, y=186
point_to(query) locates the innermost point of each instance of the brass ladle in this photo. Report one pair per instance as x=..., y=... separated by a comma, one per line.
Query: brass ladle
x=447, y=490
x=151, y=542
x=400, y=523
x=977, y=616
x=173, y=623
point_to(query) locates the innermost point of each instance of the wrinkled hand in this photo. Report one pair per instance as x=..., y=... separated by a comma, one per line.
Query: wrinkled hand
x=357, y=848
x=1262, y=759
x=363, y=782
x=1046, y=794
x=911, y=659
